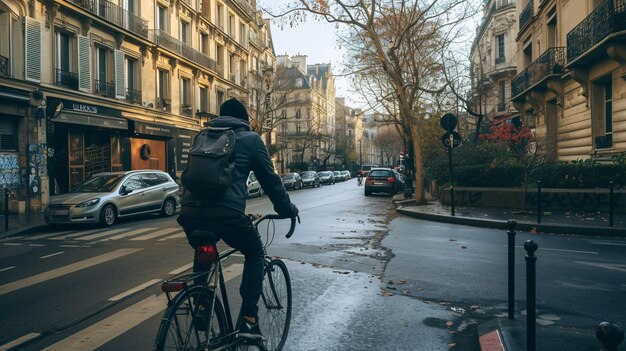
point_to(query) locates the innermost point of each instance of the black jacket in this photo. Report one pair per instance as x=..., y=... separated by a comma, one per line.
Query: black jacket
x=250, y=155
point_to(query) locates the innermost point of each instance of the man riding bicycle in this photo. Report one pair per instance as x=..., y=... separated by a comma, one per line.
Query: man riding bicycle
x=225, y=216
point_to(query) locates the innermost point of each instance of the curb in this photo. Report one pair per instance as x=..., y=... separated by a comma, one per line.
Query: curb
x=21, y=231
x=521, y=226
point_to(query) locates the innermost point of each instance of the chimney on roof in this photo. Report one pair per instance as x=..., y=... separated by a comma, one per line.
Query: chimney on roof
x=299, y=61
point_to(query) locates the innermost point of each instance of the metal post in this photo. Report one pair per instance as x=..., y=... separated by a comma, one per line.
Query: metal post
x=6, y=209
x=610, y=335
x=539, y=201
x=511, y=234
x=451, y=180
x=530, y=247
x=611, y=203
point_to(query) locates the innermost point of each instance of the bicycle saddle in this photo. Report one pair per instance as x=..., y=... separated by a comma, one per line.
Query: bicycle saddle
x=205, y=235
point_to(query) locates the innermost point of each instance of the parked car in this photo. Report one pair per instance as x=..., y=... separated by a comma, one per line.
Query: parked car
x=346, y=174
x=401, y=183
x=327, y=177
x=105, y=197
x=292, y=181
x=338, y=176
x=310, y=178
x=253, y=185
x=381, y=180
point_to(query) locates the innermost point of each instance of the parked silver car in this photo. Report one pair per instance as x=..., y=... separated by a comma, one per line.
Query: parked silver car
x=253, y=185
x=104, y=197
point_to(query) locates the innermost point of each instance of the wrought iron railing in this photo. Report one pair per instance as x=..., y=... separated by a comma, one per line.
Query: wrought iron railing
x=501, y=106
x=66, y=79
x=500, y=60
x=164, y=104
x=105, y=89
x=115, y=14
x=257, y=40
x=245, y=6
x=552, y=61
x=608, y=18
x=526, y=15
x=133, y=96
x=4, y=66
x=167, y=41
x=186, y=110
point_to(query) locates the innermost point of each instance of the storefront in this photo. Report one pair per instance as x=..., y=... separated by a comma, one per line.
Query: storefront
x=151, y=146
x=86, y=139
x=184, y=138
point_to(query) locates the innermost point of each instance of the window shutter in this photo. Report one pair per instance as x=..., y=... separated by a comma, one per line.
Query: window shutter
x=120, y=91
x=33, y=49
x=84, y=64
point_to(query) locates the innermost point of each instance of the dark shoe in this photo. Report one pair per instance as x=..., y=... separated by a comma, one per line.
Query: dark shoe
x=250, y=331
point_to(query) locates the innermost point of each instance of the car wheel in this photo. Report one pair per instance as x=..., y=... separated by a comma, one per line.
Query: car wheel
x=261, y=192
x=169, y=207
x=108, y=215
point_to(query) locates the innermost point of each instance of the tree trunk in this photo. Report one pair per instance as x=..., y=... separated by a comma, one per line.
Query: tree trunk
x=418, y=163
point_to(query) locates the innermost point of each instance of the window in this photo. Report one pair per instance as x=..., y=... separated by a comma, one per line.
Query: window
x=552, y=28
x=528, y=52
x=283, y=114
x=220, y=98
x=500, y=54
x=162, y=18
x=152, y=179
x=298, y=128
x=298, y=114
x=204, y=99
x=5, y=43
x=502, y=96
x=231, y=26
x=64, y=60
x=242, y=33
x=602, y=112
x=219, y=55
x=184, y=32
x=8, y=134
x=163, y=86
x=219, y=16
x=103, y=65
x=134, y=183
x=204, y=43
x=608, y=106
x=185, y=96
x=133, y=95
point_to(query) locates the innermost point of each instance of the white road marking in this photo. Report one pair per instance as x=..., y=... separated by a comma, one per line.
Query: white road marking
x=100, y=235
x=135, y=289
x=58, y=272
x=563, y=250
x=36, y=245
x=54, y=254
x=6, y=269
x=161, y=232
x=70, y=246
x=612, y=266
x=127, y=234
x=608, y=243
x=12, y=244
x=109, y=328
x=48, y=235
x=75, y=234
x=175, y=236
x=18, y=341
x=181, y=269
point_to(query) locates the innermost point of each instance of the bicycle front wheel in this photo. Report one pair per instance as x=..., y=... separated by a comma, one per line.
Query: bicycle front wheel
x=275, y=306
x=186, y=324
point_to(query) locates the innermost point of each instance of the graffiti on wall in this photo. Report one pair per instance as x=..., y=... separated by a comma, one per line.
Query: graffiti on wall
x=10, y=171
x=37, y=159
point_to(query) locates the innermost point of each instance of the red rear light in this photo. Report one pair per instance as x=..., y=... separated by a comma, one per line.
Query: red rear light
x=172, y=286
x=391, y=179
x=368, y=178
x=206, y=254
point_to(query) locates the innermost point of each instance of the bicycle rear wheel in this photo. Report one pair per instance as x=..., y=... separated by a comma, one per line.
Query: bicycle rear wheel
x=275, y=306
x=186, y=324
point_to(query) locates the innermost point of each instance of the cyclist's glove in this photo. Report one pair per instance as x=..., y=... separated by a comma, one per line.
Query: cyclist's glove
x=290, y=212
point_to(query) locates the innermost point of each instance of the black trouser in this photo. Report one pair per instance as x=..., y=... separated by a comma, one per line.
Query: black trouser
x=237, y=231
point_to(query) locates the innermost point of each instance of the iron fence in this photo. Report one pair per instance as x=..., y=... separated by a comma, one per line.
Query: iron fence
x=552, y=61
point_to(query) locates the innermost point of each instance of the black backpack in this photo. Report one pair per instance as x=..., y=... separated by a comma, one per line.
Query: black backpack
x=211, y=162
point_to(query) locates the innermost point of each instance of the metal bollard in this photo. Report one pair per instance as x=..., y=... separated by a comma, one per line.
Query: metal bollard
x=531, y=317
x=511, y=234
x=539, y=201
x=610, y=335
x=611, y=203
x=452, y=200
x=6, y=209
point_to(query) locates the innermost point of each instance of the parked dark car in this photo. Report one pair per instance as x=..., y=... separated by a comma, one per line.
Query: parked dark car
x=338, y=176
x=327, y=177
x=381, y=180
x=292, y=181
x=310, y=178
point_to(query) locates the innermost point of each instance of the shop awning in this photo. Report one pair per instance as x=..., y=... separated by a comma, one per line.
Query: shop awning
x=101, y=121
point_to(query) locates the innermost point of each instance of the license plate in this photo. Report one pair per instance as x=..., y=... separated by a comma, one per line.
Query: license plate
x=59, y=212
x=378, y=183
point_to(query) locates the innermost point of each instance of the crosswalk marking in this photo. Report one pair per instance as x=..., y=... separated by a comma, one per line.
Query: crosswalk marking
x=175, y=236
x=46, y=235
x=109, y=328
x=18, y=341
x=611, y=266
x=181, y=269
x=6, y=269
x=54, y=254
x=55, y=273
x=75, y=234
x=128, y=234
x=156, y=234
x=100, y=235
x=135, y=289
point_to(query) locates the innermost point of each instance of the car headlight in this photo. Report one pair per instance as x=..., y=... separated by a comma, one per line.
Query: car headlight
x=88, y=203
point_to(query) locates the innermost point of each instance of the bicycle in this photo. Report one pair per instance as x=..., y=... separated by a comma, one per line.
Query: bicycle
x=196, y=319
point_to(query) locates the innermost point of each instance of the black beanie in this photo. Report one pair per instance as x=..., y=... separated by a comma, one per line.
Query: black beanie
x=234, y=108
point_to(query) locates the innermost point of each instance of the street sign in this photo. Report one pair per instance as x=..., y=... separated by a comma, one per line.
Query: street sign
x=448, y=122
x=451, y=139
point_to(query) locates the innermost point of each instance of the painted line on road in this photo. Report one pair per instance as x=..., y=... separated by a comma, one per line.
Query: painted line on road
x=608, y=243
x=58, y=272
x=75, y=234
x=7, y=268
x=111, y=327
x=36, y=245
x=12, y=244
x=18, y=341
x=48, y=235
x=70, y=245
x=175, y=236
x=135, y=289
x=54, y=254
x=615, y=267
x=128, y=234
x=100, y=235
x=563, y=250
x=181, y=269
x=161, y=232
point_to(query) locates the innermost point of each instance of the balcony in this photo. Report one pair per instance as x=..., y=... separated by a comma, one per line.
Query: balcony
x=164, y=104
x=257, y=41
x=4, y=66
x=66, y=79
x=105, y=89
x=500, y=60
x=167, y=41
x=186, y=110
x=608, y=18
x=526, y=15
x=247, y=8
x=116, y=15
x=551, y=62
x=133, y=96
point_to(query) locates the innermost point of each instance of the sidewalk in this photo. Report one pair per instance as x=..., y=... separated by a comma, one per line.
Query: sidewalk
x=500, y=333
x=21, y=224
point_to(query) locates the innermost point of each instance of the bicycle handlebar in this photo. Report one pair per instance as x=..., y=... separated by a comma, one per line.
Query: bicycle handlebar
x=292, y=228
